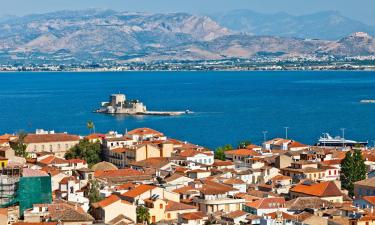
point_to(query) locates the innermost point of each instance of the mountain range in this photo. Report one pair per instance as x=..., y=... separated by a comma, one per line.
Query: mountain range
x=106, y=35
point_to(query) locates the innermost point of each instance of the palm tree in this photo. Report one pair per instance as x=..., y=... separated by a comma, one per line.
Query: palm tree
x=91, y=126
x=143, y=215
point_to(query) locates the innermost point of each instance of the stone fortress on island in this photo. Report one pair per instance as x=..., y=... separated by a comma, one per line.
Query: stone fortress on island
x=118, y=104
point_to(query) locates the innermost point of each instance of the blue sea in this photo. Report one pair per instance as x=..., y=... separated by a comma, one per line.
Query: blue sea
x=229, y=106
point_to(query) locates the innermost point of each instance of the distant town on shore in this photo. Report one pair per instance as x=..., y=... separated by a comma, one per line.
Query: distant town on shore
x=145, y=177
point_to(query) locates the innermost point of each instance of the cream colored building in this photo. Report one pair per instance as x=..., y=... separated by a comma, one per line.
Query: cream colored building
x=58, y=143
x=121, y=157
x=112, y=207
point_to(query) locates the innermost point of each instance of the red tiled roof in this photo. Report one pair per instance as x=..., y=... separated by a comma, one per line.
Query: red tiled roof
x=193, y=216
x=267, y=203
x=107, y=201
x=53, y=160
x=27, y=172
x=192, y=153
x=235, y=214
x=138, y=190
x=369, y=199
x=243, y=152
x=145, y=131
x=222, y=163
x=184, y=190
x=95, y=136
x=323, y=189
x=65, y=180
x=212, y=188
x=117, y=173
x=177, y=206
x=42, y=138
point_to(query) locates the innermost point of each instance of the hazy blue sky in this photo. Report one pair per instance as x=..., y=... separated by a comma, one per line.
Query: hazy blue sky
x=363, y=10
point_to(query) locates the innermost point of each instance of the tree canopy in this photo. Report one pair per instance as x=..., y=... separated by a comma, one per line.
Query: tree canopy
x=19, y=147
x=353, y=169
x=143, y=215
x=244, y=143
x=219, y=152
x=91, y=152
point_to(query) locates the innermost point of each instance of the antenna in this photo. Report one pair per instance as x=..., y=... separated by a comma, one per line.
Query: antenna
x=286, y=132
x=343, y=137
x=264, y=135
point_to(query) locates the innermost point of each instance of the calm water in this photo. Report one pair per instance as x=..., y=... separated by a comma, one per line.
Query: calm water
x=229, y=106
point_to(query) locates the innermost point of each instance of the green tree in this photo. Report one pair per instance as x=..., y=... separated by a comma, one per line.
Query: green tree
x=219, y=152
x=353, y=169
x=93, y=191
x=244, y=143
x=91, y=126
x=91, y=152
x=19, y=146
x=143, y=215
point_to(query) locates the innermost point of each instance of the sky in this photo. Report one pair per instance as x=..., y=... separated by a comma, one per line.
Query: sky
x=363, y=10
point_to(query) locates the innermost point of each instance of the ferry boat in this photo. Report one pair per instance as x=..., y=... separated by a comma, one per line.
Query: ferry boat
x=329, y=141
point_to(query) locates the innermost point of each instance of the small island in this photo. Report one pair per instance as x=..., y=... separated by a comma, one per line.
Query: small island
x=118, y=104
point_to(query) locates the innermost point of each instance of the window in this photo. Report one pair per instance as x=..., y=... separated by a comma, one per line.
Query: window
x=58, y=146
x=168, y=215
x=50, y=148
x=161, y=206
x=42, y=147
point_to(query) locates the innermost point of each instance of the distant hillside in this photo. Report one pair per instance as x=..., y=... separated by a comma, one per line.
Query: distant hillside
x=105, y=35
x=328, y=25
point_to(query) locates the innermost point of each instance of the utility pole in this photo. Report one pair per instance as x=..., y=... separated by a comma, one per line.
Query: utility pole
x=264, y=135
x=343, y=137
x=286, y=132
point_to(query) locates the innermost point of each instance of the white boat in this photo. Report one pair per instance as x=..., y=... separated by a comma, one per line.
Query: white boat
x=329, y=141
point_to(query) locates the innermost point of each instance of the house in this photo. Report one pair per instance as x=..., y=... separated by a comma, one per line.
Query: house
x=70, y=190
x=278, y=184
x=364, y=187
x=122, y=156
x=284, y=144
x=327, y=190
x=113, y=206
x=144, y=191
x=3, y=162
x=265, y=206
x=161, y=165
x=215, y=197
x=236, y=217
x=120, y=176
x=236, y=183
x=366, y=202
x=220, y=164
x=240, y=154
x=193, y=157
x=162, y=209
x=67, y=214
x=176, y=181
x=198, y=173
x=55, y=143
x=145, y=134
x=3, y=216
x=194, y=218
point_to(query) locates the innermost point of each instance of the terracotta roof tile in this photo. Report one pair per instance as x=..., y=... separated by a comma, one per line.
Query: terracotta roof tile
x=323, y=189
x=267, y=203
x=138, y=190
x=145, y=131
x=193, y=216
x=243, y=152
x=117, y=173
x=235, y=214
x=42, y=138
x=177, y=206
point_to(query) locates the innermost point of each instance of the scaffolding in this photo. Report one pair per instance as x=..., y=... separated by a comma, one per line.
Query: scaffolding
x=9, y=178
x=23, y=191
